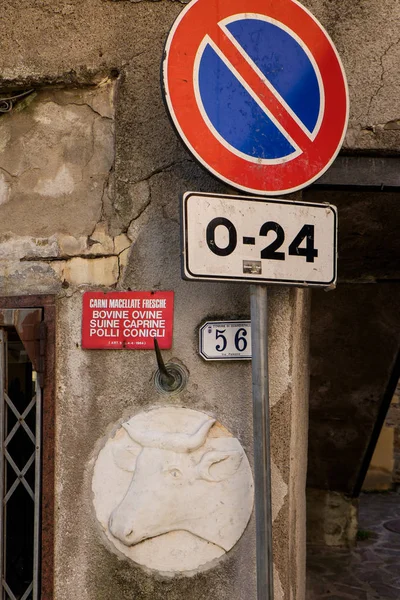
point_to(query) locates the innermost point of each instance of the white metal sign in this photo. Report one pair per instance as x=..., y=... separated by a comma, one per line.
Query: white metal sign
x=240, y=238
x=225, y=340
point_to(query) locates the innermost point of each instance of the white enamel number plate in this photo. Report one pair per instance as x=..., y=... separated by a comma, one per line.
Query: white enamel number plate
x=240, y=238
x=225, y=340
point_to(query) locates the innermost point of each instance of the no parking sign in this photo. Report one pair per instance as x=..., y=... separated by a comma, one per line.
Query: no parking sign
x=257, y=91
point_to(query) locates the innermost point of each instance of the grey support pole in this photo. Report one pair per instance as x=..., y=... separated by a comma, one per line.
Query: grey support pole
x=261, y=430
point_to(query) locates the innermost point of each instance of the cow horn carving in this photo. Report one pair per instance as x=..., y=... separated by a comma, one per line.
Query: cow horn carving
x=178, y=442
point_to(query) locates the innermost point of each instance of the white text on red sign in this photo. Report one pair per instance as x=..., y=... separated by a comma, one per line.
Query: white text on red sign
x=127, y=319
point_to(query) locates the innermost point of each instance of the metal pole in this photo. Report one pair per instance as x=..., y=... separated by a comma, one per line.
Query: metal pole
x=261, y=431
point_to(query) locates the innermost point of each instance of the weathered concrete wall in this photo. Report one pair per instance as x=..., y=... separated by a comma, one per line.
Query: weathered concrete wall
x=370, y=60
x=71, y=41
x=91, y=171
x=55, y=163
x=72, y=243
x=120, y=385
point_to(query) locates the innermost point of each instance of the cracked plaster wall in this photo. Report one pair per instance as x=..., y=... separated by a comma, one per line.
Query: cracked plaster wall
x=366, y=34
x=90, y=174
x=64, y=229
x=129, y=36
x=56, y=159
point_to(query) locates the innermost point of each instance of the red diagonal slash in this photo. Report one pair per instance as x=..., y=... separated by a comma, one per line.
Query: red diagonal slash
x=260, y=89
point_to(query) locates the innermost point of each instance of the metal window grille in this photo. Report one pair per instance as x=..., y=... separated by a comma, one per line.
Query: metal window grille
x=20, y=443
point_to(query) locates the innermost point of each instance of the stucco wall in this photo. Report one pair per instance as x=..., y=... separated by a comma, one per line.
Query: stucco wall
x=60, y=236
x=91, y=172
x=120, y=385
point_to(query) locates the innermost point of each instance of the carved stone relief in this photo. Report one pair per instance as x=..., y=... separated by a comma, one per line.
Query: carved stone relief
x=173, y=489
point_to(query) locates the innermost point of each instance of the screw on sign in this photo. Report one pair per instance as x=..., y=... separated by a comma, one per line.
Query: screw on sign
x=257, y=92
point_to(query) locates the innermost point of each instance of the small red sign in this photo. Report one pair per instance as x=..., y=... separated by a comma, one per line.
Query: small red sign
x=130, y=320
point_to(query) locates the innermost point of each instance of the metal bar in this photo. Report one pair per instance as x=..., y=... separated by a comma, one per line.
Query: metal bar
x=36, y=530
x=4, y=429
x=27, y=592
x=17, y=471
x=28, y=489
x=8, y=590
x=19, y=418
x=261, y=432
x=19, y=479
x=165, y=376
x=14, y=487
x=11, y=434
x=10, y=493
x=28, y=431
x=2, y=469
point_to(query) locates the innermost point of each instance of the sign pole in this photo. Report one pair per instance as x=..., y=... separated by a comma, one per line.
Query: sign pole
x=261, y=430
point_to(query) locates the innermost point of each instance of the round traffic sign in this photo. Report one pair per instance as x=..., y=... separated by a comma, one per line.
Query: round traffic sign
x=257, y=91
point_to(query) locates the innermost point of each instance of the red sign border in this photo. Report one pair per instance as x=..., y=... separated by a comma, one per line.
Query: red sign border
x=181, y=48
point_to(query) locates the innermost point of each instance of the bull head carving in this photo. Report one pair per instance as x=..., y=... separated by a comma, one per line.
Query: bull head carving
x=181, y=480
x=178, y=442
x=125, y=456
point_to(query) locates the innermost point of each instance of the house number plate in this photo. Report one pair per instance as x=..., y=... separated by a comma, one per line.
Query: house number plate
x=225, y=340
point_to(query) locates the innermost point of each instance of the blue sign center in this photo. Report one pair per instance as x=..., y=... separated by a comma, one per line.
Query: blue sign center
x=233, y=111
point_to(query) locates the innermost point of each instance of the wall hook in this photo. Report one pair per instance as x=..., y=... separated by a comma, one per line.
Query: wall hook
x=170, y=377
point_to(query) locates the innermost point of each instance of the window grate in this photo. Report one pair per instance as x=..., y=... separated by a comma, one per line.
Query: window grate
x=20, y=442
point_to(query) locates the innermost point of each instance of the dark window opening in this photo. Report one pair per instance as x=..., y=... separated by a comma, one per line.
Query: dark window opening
x=20, y=469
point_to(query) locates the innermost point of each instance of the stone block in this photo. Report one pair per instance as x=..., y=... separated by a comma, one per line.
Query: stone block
x=28, y=248
x=70, y=245
x=19, y=278
x=332, y=518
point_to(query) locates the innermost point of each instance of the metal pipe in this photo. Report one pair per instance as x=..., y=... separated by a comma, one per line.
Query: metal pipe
x=261, y=432
x=36, y=530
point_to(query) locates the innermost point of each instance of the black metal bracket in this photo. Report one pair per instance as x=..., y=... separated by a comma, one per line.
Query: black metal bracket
x=169, y=377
